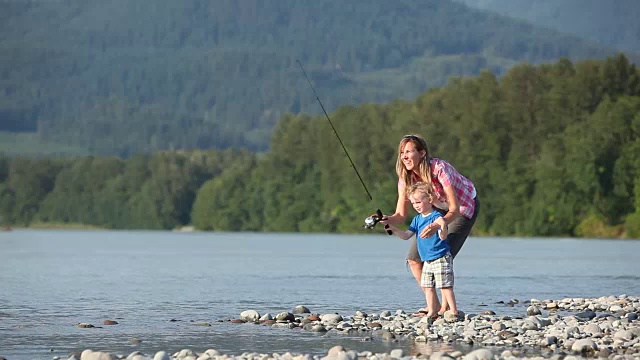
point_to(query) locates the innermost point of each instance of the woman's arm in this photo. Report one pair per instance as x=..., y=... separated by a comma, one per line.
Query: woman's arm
x=452, y=201
x=402, y=208
x=443, y=230
x=452, y=213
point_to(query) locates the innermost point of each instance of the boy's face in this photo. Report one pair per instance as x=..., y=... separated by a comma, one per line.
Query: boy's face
x=420, y=202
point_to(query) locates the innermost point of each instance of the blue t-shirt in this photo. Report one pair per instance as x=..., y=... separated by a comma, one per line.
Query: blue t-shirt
x=430, y=248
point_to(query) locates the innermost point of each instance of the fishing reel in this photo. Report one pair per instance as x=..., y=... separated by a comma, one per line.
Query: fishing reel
x=371, y=221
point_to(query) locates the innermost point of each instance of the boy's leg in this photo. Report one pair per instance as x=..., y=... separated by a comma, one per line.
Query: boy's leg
x=432, y=298
x=417, y=269
x=450, y=298
x=443, y=275
x=445, y=304
x=428, y=283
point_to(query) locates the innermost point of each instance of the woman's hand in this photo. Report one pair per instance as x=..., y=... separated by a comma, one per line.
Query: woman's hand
x=429, y=230
x=394, y=219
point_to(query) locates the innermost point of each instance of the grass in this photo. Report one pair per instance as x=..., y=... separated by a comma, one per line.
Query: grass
x=59, y=226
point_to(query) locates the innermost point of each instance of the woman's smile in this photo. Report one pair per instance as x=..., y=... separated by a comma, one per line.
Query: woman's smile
x=410, y=156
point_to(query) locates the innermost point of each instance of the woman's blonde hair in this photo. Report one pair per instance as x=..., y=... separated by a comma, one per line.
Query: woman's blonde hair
x=423, y=171
x=422, y=188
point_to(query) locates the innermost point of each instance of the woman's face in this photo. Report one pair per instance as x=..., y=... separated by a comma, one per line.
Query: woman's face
x=410, y=156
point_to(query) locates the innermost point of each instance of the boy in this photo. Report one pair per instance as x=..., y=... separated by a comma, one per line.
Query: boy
x=437, y=269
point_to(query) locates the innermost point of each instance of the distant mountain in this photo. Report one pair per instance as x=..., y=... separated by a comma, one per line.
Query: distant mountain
x=611, y=23
x=122, y=77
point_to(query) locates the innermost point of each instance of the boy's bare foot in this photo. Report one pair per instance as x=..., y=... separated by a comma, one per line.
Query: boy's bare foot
x=451, y=316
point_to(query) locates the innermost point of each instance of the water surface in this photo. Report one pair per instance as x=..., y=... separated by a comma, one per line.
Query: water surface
x=52, y=280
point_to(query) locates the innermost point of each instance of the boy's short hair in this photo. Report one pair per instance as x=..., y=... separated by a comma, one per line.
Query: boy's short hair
x=422, y=188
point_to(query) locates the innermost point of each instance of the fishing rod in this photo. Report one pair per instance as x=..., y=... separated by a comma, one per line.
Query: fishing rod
x=372, y=220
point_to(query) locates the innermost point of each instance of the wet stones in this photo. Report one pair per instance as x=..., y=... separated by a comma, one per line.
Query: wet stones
x=584, y=327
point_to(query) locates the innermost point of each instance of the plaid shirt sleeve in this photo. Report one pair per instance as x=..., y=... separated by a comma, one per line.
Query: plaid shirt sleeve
x=446, y=175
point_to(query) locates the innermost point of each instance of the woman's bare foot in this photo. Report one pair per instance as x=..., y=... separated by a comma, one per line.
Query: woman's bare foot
x=420, y=313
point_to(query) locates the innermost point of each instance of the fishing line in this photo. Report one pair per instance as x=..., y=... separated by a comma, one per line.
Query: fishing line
x=371, y=221
x=335, y=132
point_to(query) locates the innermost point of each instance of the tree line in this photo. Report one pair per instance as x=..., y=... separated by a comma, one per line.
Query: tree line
x=553, y=151
x=120, y=78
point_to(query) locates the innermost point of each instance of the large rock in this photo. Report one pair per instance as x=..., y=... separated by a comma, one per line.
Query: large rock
x=584, y=345
x=586, y=315
x=331, y=318
x=212, y=353
x=335, y=350
x=301, y=310
x=135, y=355
x=623, y=335
x=250, y=315
x=449, y=316
x=285, y=316
x=533, y=310
x=96, y=355
x=396, y=353
x=592, y=329
x=480, y=354
x=161, y=355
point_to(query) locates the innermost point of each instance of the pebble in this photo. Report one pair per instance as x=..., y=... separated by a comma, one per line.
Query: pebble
x=573, y=328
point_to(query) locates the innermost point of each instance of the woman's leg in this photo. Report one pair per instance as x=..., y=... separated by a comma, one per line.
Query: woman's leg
x=414, y=260
x=416, y=269
x=459, y=231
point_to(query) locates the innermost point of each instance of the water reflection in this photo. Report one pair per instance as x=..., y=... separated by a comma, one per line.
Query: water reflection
x=431, y=347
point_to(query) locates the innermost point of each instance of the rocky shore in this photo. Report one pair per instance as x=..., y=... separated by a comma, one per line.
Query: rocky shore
x=571, y=328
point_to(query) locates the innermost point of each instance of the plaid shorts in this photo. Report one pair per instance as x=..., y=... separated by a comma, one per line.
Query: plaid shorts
x=438, y=273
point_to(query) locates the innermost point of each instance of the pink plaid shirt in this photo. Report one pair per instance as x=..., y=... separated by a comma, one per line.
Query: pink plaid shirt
x=443, y=175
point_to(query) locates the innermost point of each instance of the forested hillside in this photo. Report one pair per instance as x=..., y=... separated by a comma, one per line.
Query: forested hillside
x=552, y=149
x=612, y=23
x=123, y=77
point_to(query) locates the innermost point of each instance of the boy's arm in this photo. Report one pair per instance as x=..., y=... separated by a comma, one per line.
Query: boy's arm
x=443, y=231
x=402, y=234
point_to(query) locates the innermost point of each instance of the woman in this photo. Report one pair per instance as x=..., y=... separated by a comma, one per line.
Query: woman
x=455, y=193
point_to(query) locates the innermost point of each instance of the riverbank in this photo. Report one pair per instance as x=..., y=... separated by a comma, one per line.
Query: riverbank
x=570, y=328
x=55, y=226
